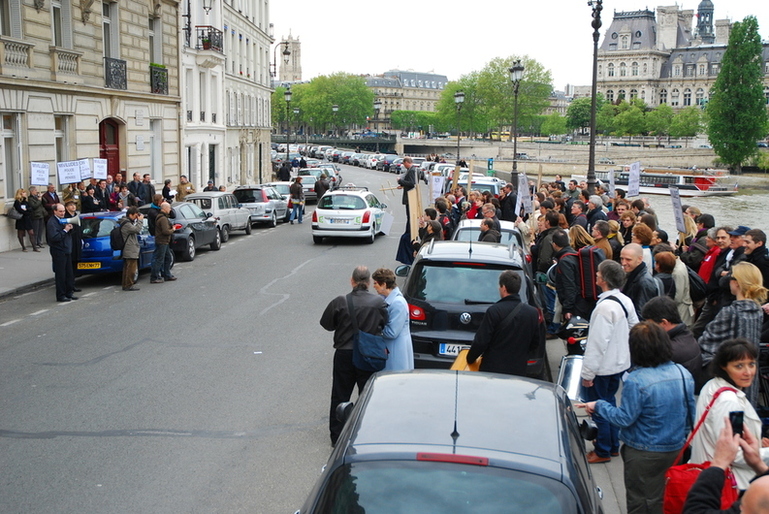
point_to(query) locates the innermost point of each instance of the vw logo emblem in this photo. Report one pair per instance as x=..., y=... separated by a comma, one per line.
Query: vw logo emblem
x=465, y=318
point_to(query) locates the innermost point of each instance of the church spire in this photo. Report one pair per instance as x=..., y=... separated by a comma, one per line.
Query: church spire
x=705, y=21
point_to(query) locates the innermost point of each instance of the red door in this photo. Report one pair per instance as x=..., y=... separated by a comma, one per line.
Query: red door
x=109, y=145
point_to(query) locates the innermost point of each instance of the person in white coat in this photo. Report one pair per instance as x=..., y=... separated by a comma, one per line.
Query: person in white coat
x=396, y=333
x=734, y=366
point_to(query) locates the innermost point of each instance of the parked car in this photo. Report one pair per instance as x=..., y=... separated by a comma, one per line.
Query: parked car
x=309, y=177
x=264, y=202
x=605, y=160
x=386, y=161
x=448, y=288
x=459, y=442
x=333, y=175
x=193, y=228
x=226, y=208
x=350, y=211
x=372, y=160
x=97, y=256
x=345, y=157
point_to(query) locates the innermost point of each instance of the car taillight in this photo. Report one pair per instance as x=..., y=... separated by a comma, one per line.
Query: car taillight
x=177, y=226
x=453, y=458
x=314, y=216
x=416, y=313
x=366, y=216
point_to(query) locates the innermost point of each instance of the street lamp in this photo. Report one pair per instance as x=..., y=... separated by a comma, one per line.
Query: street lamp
x=287, y=96
x=459, y=97
x=516, y=74
x=377, y=107
x=596, y=24
x=296, y=117
x=274, y=64
x=335, y=109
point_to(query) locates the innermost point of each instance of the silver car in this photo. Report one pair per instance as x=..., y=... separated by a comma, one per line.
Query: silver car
x=264, y=202
x=225, y=208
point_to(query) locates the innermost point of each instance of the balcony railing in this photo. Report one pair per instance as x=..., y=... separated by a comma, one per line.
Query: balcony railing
x=209, y=38
x=159, y=79
x=15, y=53
x=115, y=73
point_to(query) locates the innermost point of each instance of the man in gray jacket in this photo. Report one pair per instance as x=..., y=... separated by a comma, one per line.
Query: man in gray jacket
x=130, y=227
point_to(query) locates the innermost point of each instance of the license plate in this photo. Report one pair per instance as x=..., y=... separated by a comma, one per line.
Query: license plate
x=451, y=349
x=338, y=221
x=88, y=265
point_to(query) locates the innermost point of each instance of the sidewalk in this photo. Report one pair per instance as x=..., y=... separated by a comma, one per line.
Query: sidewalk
x=24, y=271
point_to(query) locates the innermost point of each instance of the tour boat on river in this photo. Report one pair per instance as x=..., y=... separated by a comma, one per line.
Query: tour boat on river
x=657, y=181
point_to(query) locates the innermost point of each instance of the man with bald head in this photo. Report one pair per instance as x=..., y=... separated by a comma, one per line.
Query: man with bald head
x=640, y=286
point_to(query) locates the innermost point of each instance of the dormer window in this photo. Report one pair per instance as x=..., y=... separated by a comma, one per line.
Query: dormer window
x=625, y=42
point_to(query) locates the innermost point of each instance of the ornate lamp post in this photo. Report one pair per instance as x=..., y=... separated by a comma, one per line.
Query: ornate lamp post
x=459, y=98
x=377, y=107
x=287, y=96
x=516, y=74
x=596, y=24
x=274, y=64
x=335, y=109
x=296, y=117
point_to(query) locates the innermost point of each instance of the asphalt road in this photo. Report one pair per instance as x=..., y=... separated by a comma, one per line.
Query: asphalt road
x=208, y=394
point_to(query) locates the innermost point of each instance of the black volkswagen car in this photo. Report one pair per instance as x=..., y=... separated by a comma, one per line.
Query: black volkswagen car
x=193, y=228
x=461, y=442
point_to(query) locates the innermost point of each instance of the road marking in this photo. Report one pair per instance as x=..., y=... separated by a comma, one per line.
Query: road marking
x=39, y=312
x=88, y=294
x=10, y=322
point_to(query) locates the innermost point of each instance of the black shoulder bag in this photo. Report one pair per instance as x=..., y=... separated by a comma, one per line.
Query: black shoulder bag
x=368, y=350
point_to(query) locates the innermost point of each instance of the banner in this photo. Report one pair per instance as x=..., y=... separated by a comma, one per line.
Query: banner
x=85, y=169
x=436, y=186
x=527, y=205
x=634, y=180
x=678, y=213
x=612, y=186
x=39, y=173
x=68, y=172
x=100, y=169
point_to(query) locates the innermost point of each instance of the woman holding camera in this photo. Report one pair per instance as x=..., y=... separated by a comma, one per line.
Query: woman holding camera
x=734, y=366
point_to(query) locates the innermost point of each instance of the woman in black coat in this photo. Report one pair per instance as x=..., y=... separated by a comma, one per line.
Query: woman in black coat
x=21, y=204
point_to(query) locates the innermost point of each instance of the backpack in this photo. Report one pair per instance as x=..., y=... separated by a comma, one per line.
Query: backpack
x=116, y=241
x=588, y=259
x=698, y=289
x=448, y=226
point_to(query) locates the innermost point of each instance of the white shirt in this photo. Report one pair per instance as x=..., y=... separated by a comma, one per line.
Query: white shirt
x=607, y=351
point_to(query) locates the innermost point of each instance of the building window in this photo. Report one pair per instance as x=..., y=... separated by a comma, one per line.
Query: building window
x=633, y=94
x=10, y=18
x=687, y=97
x=156, y=150
x=155, y=35
x=110, y=30
x=677, y=70
x=701, y=69
x=674, y=98
x=61, y=137
x=645, y=69
x=600, y=70
x=625, y=40
x=700, y=97
x=610, y=69
x=714, y=69
x=622, y=69
x=634, y=69
x=620, y=95
x=10, y=154
x=663, y=96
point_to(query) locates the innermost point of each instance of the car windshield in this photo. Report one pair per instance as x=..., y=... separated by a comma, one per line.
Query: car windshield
x=96, y=227
x=414, y=486
x=472, y=234
x=248, y=195
x=493, y=188
x=342, y=202
x=459, y=282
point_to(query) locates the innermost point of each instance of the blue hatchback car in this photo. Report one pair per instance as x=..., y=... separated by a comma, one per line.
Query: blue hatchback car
x=97, y=256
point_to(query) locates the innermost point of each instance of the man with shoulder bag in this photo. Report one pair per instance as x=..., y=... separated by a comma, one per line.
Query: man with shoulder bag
x=370, y=318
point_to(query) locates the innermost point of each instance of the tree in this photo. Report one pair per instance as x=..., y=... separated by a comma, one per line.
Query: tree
x=554, y=124
x=473, y=116
x=737, y=108
x=658, y=121
x=604, y=119
x=630, y=121
x=578, y=114
x=278, y=107
x=687, y=123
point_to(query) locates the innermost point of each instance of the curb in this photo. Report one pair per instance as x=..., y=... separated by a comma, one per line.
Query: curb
x=26, y=288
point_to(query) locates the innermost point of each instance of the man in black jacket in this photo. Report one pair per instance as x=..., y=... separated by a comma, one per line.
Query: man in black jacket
x=371, y=317
x=407, y=182
x=566, y=279
x=640, y=286
x=504, y=341
x=59, y=239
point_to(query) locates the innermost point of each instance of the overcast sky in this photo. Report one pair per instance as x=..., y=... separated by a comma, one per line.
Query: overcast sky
x=368, y=37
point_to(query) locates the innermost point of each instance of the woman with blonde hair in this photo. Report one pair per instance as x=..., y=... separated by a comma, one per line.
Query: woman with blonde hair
x=615, y=239
x=743, y=318
x=24, y=224
x=579, y=237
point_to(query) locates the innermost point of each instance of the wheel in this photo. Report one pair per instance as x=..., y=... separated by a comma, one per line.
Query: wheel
x=317, y=239
x=248, y=227
x=372, y=235
x=224, y=233
x=217, y=244
x=189, y=252
x=274, y=220
x=287, y=217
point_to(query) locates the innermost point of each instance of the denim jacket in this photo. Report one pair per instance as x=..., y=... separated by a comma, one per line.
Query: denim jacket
x=657, y=409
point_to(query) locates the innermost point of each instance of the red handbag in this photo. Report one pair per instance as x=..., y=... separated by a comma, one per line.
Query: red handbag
x=680, y=478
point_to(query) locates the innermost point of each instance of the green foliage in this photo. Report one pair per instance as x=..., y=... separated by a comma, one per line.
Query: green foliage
x=554, y=125
x=604, y=119
x=578, y=114
x=416, y=121
x=686, y=123
x=630, y=120
x=659, y=120
x=737, y=114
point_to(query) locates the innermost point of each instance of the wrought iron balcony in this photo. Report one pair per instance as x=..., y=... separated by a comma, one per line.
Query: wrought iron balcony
x=115, y=73
x=209, y=38
x=158, y=79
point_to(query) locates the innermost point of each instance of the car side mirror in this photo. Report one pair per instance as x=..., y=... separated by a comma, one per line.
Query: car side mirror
x=383, y=205
x=402, y=271
x=343, y=411
x=588, y=430
x=209, y=215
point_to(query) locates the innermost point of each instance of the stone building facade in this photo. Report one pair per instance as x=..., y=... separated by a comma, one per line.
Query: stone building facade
x=665, y=57
x=86, y=79
x=405, y=90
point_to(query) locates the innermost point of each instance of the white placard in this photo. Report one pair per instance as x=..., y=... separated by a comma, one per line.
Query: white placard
x=139, y=115
x=68, y=172
x=678, y=213
x=436, y=186
x=40, y=172
x=387, y=223
x=100, y=169
x=612, y=185
x=139, y=143
x=634, y=180
x=85, y=169
x=527, y=205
